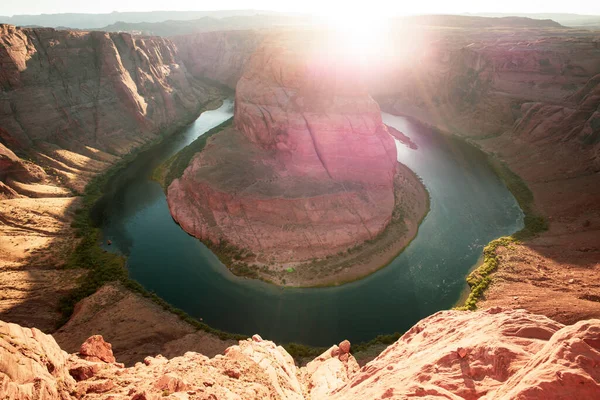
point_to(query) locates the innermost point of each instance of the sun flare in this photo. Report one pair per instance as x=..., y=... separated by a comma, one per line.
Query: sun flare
x=358, y=34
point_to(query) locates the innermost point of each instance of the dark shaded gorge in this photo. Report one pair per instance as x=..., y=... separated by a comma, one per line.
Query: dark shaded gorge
x=469, y=207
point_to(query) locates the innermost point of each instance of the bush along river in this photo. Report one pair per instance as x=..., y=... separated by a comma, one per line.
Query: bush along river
x=469, y=207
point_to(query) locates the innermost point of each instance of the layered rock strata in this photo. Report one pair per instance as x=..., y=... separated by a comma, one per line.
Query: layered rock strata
x=492, y=354
x=218, y=56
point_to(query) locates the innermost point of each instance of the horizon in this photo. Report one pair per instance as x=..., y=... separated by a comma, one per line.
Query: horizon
x=310, y=7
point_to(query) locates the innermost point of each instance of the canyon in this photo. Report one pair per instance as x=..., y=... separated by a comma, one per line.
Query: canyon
x=308, y=172
x=493, y=354
x=74, y=103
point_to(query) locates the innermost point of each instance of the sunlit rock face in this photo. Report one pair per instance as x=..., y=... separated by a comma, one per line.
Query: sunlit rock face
x=310, y=106
x=492, y=354
x=107, y=90
x=308, y=170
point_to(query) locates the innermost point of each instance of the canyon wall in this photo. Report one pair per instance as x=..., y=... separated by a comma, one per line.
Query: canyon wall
x=218, y=56
x=531, y=99
x=494, y=354
x=72, y=103
x=73, y=96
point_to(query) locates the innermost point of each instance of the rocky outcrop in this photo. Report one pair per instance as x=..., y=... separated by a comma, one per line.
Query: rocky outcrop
x=308, y=171
x=218, y=56
x=149, y=331
x=96, y=349
x=491, y=354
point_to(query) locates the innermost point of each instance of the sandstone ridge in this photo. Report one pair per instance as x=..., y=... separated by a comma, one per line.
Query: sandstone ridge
x=492, y=354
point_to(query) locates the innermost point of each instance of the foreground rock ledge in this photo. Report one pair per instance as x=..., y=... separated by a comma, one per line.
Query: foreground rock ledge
x=492, y=354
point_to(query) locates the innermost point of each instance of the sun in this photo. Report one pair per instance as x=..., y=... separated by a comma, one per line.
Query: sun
x=358, y=34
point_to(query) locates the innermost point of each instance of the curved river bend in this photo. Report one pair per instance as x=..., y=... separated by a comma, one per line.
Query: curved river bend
x=469, y=207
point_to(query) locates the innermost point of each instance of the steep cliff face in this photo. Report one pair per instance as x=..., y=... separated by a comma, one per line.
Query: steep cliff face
x=474, y=82
x=315, y=113
x=308, y=171
x=493, y=354
x=72, y=96
x=218, y=56
x=90, y=86
x=532, y=100
x=71, y=104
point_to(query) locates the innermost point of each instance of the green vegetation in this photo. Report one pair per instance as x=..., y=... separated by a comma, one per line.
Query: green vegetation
x=378, y=340
x=534, y=222
x=302, y=352
x=173, y=168
x=480, y=279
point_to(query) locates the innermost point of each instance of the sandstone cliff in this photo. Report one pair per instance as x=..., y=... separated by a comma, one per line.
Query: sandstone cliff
x=492, y=354
x=89, y=92
x=531, y=98
x=218, y=56
x=71, y=105
x=308, y=171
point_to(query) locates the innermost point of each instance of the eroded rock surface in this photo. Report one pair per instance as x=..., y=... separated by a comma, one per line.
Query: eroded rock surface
x=492, y=354
x=218, y=56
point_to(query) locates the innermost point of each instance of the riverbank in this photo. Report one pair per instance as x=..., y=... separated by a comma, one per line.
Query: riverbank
x=105, y=267
x=550, y=266
x=479, y=278
x=412, y=205
x=165, y=259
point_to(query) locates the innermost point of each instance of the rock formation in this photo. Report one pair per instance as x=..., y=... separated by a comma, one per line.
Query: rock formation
x=307, y=172
x=218, y=56
x=70, y=97
x=491, y=354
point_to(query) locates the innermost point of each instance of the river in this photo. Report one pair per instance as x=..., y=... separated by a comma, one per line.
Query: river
x=469, y=207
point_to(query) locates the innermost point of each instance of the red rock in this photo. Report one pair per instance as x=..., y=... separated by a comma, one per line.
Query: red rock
x=172, y=383
x=257, y=338
x=345, y=346
x=83, y=372
x=512, y=354
x=144, y=86
x=218, y=56
x=232, y=373
x=96, y=349
x=98, y=386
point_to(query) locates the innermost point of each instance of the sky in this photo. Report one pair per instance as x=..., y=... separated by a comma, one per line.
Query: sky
x=321, y=7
